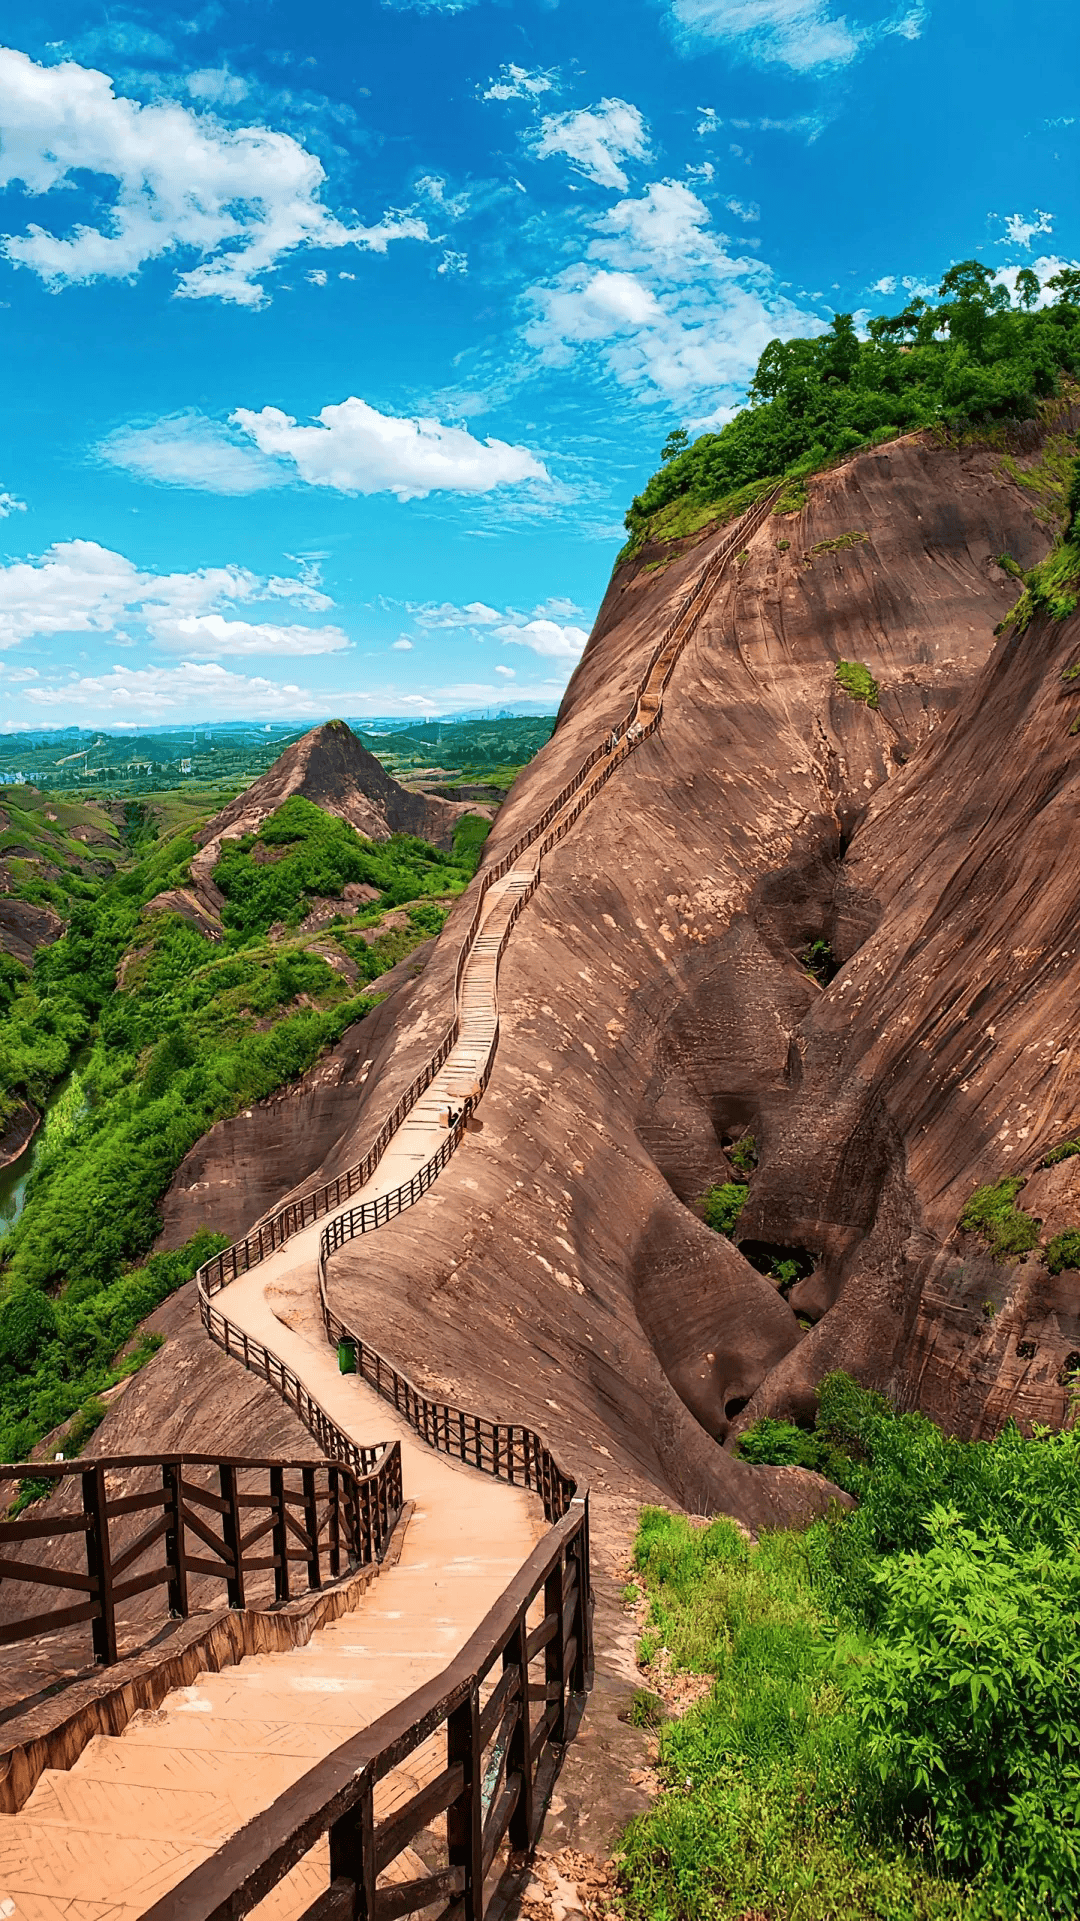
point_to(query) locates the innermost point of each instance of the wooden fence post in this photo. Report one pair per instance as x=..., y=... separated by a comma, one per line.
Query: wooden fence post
x=311, y=1524
x=352, y=1855
x=231, y=1534
x=519, y=1750
x=333, y=1526
x=555, y=1652
x=279, y=1534
x=172, y=1481
x=99, y=1563
x=465, y=1816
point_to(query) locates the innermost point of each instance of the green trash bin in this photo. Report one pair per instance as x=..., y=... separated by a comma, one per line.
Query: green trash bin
x=346, y=1357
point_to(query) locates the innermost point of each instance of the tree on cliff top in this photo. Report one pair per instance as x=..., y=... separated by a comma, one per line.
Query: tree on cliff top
x=972, y=357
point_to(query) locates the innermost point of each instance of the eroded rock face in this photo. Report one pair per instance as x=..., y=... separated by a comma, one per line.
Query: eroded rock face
x=654, y=1005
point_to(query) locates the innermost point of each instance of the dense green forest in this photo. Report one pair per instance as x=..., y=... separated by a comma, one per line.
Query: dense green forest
x=889, y=1721
x=970, y=358
x=178, y=1031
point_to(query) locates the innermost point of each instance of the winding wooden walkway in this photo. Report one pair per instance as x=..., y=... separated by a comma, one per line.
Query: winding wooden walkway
x=136, y=1813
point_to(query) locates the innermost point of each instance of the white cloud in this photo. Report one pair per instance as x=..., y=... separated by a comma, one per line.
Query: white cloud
x=187, y=450
x=507, y=671
x=187, y=691
x=521, y=83
x=79, y=587
x=1022, y=232
x=10, y=504
x=403, y=646
x=358, y=450
x=239, y=199
x=886, y=285
x=453, y=263
x=664, y=303
x=212, y=637
x=217, y=85
x=547, y=631
x=800, y=34
x=318, y=276
x=742, y=212
x=595, y=140
x=548, y=638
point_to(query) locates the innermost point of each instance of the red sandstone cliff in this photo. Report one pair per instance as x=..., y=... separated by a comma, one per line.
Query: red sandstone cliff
x=653, y=1006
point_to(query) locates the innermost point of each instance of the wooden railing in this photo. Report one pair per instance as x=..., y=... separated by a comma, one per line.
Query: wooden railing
x=492, y=1732
x=320, y=1514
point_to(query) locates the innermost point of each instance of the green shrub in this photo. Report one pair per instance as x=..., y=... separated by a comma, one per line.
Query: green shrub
x=893, y=1726
x=1006, y=1229
x=1063, y=1153
x=1064, y=1251
x=722, y=1206
x=858, y=681
x=779, y=1444
x=744, y=1154
x=968, y=1708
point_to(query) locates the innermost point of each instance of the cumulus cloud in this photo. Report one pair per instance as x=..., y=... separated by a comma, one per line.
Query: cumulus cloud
x=595, y=140
x=79, y=587
x=509, y=672
x=10, y=504
x=521, y=83
x=800, y=34
x=358, y=450
x=188, y=691
x=403, y=646
x=665, y=304
x=239, y=199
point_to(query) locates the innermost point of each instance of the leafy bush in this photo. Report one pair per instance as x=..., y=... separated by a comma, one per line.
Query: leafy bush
x=969, y=358
x=779, y=1443
x=894, y=1723
x=858, y=681
x=1064, y=1152
x=968, y=1708
x=722, y=1206
x=1064, y=1251
x=744, y=1154
x=1006, y=1229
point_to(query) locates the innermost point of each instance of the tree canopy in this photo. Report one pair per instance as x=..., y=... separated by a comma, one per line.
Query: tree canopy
x=972, y=356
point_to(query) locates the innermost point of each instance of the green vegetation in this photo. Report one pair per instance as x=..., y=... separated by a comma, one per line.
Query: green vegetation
x=819, y=960
x=1064, y=1152
x=858, y=681
x=992, y=1213
x=183, y=1031
x=840, y=545
x=1064, y=1251
x=744, y=1154
x=302, y=854
x=723, y=1205
x=893, y=1726
x=969, y=361
x=1053, y=587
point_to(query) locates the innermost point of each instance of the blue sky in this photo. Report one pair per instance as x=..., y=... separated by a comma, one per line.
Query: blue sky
x=338, y=338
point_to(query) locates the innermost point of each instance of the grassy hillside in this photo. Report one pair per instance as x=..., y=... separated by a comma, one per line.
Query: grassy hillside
x=184, y=1030
x=968, y=359
x=887, y=1720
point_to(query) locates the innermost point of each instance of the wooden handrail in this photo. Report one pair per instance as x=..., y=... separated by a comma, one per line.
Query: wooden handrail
x=336, y=1796
x=353, y=1510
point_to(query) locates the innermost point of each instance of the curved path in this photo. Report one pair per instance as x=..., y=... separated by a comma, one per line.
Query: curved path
x=136, y=1813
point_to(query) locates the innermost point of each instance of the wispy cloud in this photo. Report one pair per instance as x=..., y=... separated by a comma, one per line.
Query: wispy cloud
x=596, y=140
x=804, y=35
x=521, y=83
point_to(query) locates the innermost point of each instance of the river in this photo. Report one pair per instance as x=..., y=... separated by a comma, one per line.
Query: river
x=14, y=1177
